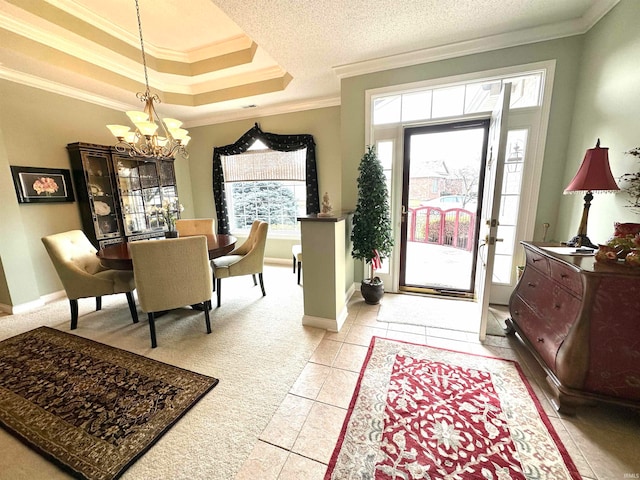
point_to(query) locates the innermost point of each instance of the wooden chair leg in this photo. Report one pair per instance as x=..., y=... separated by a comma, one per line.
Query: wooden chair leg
x=299, y=271
x=132, y=306
x=294, y=264
x=264, y=294
x=218, y=290
x=152, y=329
x=207, y=306
x=98, y=303
x=253, y=275
x=74, y=313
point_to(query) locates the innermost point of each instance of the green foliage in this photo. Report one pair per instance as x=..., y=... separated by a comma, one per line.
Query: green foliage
x=371, y=221
x=268, y=201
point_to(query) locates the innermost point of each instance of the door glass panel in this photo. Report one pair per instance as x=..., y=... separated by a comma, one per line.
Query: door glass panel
x=509, y=205
x=442, y=174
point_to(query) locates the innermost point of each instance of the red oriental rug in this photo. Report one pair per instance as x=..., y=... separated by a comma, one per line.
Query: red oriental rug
x=425, y=413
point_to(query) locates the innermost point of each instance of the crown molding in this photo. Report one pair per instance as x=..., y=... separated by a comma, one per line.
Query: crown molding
x=480, y=45
x=259, y=112
x=54, y=87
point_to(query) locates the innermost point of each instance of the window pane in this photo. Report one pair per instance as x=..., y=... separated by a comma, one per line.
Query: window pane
x=416, y=106
x=386, y=110
x=481, y=97
x=525, y=90
x=448, y=102
x=385, y=153
x=278, y=203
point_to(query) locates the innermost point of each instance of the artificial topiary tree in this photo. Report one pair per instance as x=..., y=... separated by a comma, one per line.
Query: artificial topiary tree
x=371, y=234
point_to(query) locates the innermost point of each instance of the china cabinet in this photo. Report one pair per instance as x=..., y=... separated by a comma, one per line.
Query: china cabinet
x=121, y=197
x=579, y=318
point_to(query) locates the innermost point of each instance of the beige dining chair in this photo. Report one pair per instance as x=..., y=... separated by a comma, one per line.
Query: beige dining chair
x=188, y=227
x=171, y=274
x=82, y=276
x=247, y=259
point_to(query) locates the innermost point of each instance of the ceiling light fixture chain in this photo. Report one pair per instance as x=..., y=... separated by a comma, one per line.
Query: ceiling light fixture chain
x=144, y=141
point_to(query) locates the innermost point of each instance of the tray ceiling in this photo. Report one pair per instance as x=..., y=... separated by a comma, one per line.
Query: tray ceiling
x=211, y=61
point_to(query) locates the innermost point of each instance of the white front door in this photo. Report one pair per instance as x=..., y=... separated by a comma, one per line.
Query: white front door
x=492, y=189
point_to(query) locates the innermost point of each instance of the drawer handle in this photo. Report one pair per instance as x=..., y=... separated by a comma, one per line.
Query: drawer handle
x=536, y=260
x=540, y=340
x=531, y=284
x=557, y=306
x=563, y=275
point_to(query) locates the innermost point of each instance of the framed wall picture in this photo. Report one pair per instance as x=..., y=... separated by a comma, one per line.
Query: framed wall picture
x=42, y=185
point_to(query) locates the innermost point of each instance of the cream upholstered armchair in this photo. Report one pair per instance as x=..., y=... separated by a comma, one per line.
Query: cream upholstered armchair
x=171, y=274
x=82, y=276
x=247, y=259
x=188, y=227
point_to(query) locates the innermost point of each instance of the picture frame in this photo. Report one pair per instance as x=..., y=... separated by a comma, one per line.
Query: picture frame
x=42, y=185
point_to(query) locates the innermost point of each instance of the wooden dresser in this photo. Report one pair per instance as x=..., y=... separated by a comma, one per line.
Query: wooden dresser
x=581, y=320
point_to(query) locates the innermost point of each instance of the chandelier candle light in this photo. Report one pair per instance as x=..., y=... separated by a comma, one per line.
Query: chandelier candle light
x=144, y=141
x=594, y=174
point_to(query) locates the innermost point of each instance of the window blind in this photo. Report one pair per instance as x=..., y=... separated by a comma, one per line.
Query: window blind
x=264, y=165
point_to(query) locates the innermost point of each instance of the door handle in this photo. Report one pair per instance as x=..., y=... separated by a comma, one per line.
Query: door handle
x=492, y=240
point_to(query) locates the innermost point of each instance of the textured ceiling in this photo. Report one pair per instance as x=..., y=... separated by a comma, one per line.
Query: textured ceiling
x=209, y=60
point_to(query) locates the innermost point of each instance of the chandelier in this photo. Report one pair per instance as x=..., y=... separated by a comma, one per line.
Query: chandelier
x=145, y=141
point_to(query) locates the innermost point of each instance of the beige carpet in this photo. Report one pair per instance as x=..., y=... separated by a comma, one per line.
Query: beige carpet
x=257, y=349
x=436, y=312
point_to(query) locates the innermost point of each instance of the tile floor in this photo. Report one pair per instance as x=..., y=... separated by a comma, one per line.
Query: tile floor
x=603, y=441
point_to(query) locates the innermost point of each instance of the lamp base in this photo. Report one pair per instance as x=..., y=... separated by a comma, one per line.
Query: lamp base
x=581, y=240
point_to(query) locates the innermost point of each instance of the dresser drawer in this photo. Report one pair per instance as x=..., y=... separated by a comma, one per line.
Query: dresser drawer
x=537, y=260
x=536, y=290
x=537, y=330
x=566, y=276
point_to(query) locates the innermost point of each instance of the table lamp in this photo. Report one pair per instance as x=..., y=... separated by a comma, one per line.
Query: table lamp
x=594, y=174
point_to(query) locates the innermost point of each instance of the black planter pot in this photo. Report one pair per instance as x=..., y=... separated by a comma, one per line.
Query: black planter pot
x=372, y=292
x=171, y=234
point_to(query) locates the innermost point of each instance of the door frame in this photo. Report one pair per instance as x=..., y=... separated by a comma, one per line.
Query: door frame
x=440, y=127
x=533, y=168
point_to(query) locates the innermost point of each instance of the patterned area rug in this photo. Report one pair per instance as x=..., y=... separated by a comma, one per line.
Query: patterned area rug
x=91, y=408
x=426, y=413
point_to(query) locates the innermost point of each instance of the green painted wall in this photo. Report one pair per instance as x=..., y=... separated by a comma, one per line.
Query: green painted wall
x=607, y=107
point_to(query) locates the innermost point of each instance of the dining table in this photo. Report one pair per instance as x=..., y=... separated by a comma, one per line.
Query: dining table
x=118, y=256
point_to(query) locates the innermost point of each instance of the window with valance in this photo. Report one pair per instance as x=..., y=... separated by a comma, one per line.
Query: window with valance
x=238, y=167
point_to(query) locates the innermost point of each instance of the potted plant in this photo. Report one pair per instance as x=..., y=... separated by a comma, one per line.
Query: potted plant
x=170, y=213
x=371, y=234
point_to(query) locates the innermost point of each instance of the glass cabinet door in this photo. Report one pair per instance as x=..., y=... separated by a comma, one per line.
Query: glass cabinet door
x=102, y=198
x=143, y=192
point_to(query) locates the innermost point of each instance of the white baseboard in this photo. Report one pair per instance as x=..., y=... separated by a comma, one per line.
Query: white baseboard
x=330, y=324
x=28, y=306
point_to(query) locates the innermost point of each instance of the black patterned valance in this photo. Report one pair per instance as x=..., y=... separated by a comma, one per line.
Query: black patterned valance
x=281, y=143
